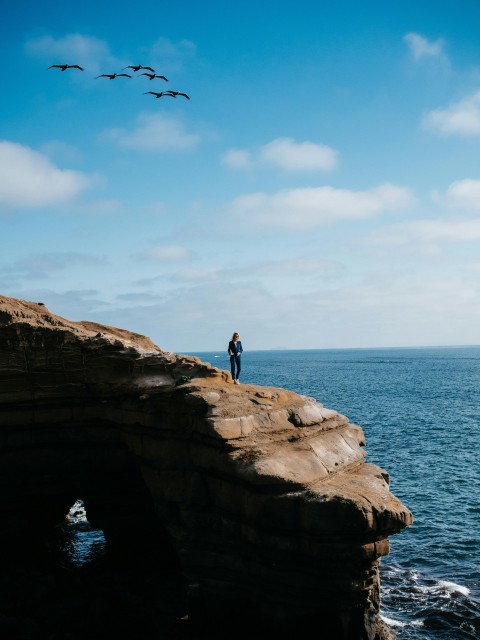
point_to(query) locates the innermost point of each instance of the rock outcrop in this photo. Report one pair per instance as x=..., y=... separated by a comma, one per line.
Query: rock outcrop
x=264, y=496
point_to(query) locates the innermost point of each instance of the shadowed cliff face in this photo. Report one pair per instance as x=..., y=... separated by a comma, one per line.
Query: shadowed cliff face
x=262, y=495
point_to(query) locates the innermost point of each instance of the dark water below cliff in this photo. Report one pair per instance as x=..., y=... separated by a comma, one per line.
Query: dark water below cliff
x=420, y=410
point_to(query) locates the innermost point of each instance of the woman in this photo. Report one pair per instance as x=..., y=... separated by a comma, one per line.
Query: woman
x=235, y=350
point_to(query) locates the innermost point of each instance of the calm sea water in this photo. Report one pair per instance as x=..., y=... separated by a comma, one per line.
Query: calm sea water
x=420, y=410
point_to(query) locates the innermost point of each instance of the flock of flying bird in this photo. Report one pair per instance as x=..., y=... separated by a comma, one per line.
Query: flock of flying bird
x=135, y=67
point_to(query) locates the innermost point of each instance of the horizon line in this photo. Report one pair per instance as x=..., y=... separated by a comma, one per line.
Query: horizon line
x=434, y=346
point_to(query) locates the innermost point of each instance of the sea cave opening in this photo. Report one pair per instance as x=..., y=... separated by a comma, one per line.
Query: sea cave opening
x=81, y=542
x=86, y=555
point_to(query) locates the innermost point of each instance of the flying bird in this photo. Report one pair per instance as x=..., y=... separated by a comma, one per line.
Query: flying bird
x=113, y=75
x=137, y=67
x=159, y=94
x=66, y=66
x=174, y=94
x=154, y=75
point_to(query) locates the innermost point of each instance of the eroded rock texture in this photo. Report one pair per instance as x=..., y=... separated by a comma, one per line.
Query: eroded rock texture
x=263, y=495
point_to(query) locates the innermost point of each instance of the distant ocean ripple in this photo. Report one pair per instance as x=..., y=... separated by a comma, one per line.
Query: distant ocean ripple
x=420, y=410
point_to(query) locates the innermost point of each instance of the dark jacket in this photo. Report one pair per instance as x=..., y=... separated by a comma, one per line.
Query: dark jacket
x=235, y=349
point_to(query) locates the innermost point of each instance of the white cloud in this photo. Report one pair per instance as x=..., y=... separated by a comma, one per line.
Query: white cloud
x=107, y=206
x=306, y=208
x=421, y=47
x=424, y=237
x=29, y=179
x=199, y=274
x=238, y=159
x=292, y=268
x=171, y=55
x=289, y=268
x=137, y=298
x=167, y=253
x=377, y=309
x=474, y=266
x=74, y=48
x=298, y=156
x=465, y=195
x=446, y=230
x=73, y=304
x=60, y=151
x=461, y=117
x=40, y=266
x=154, y=132
x=286, y=154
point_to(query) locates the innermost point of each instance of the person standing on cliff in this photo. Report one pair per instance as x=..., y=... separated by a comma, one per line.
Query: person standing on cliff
x=235, y=351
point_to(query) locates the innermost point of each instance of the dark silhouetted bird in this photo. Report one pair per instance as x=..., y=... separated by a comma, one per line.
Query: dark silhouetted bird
x=113, y=75
x=174, y=94
x=154, y=75
x=66, y=66
x=159, y=94
x=137, y=67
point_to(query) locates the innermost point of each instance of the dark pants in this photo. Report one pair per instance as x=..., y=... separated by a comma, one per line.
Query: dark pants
x=235, y=360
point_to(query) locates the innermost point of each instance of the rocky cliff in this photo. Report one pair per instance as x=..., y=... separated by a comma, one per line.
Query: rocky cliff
x=262, y=495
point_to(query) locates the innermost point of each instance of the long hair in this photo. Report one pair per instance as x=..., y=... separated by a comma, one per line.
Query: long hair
x=235, y=335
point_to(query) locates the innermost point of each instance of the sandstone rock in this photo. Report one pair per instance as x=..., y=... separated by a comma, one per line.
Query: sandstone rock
x=264, y=495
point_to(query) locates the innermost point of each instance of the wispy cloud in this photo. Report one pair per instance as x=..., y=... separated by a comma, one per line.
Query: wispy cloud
x=382, y=310
x=60, y=151
x=74, y=304
x=29, y=179
x=171, y=56
x=446, y=230
x=41, y=265
x=421, y=47
x=290, y=268
x=294, y=267
x=307, y=208
x=461, y=117
x=285, y=154
x=166, y=253
x=154, y=132
x=107, y=206
x=474, y=267
x=459, y=207
x=137, y=298
x=464, y=195
x=158, y=208
x=199, y=274
x=74, y=48
x=425, y=236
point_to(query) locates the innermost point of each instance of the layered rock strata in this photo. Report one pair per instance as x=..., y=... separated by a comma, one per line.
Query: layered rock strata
x=263, y=495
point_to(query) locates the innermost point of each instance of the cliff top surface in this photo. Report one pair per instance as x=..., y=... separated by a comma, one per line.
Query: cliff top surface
x=36, y=315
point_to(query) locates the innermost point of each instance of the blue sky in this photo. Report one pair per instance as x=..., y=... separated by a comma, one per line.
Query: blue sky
x=321, y=188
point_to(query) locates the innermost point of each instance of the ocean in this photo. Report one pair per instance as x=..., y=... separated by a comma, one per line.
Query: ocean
x=420, y=411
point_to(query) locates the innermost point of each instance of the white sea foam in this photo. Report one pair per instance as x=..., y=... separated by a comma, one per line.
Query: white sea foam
x=398, y=623
x=393, y=623
x=443, y=588
x=416, y=623
x=452, y=587
x=77, y=513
